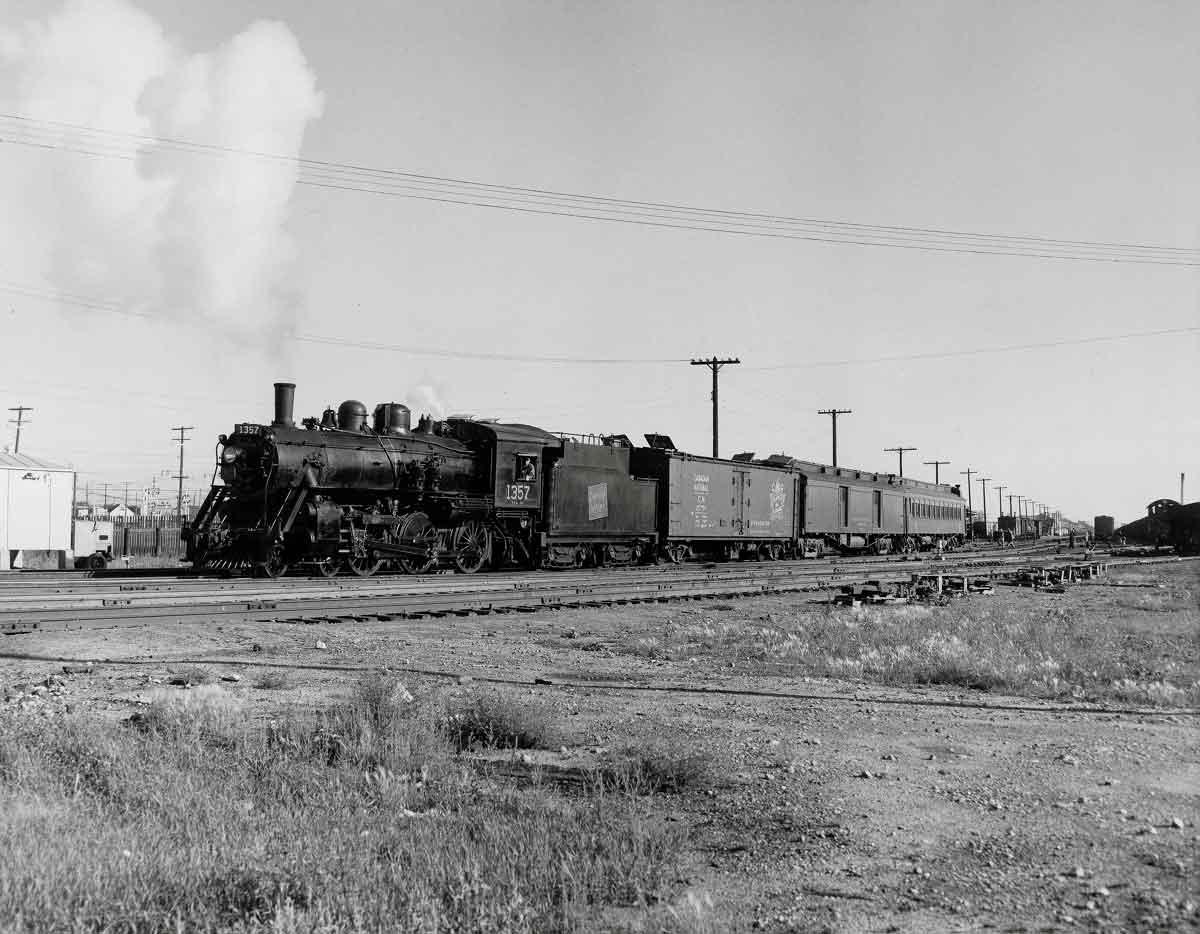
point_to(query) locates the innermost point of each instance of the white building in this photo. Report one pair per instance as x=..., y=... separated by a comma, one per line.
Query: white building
x=36, y=509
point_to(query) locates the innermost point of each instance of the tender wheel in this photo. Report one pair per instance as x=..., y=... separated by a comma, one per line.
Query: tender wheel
x=418, y=530
x=472, y=546
x=96, y=563
x=329, y=566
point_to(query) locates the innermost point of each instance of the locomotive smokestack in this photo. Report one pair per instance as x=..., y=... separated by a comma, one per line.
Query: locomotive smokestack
x=285, y=395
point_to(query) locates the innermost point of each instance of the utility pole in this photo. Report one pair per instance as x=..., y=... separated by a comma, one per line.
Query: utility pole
x=1011, y=497
x=970, y=506
x=984, y=481
x=834, y=413
x=935, y=465
x=20, y=420
x=180, y=476
x=715, y=365
x=104, y=500
x=1181, y=488
x=1000, y=499
x=901, y=451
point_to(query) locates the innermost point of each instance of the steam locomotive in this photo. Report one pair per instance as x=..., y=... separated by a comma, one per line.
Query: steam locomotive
x=360, y=492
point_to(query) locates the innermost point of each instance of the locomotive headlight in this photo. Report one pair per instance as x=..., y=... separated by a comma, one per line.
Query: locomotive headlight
x=231, y=458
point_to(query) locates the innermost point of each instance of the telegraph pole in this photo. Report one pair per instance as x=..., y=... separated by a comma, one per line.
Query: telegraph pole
x=180, y=476
x=18, y=421
x=834, y=413
x=1000, y=499
x=984, y=481
x=935, y=465
x=1011, y=497
x=970, y=506
x=714, y=364
x=900, y=451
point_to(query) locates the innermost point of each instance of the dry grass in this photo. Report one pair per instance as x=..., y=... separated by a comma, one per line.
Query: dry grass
x=1130, y=646
x=492, y=719
x=273, y=680
x=655, y=767
x=358, y=817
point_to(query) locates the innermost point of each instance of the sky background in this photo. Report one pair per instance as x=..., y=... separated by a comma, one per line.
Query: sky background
x=169, y=288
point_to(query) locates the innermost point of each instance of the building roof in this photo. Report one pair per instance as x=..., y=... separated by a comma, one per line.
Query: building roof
x=25, y=462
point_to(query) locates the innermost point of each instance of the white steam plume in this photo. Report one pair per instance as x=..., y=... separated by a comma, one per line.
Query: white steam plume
x=174, y=234
x=424, y=399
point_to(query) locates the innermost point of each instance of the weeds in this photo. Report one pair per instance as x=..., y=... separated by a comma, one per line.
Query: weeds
x=273, y=680
x=356, y=817
x=662, y=766
x=1147, y=654
x=496, y=720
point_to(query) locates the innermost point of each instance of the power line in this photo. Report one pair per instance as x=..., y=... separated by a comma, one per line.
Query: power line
x=181, y=476
x=975, y=351
x=834, y=413
x=900, y=451
x=23, y=130
x=51, y=295
x=935, y=465
x=18, y=421
x=715, y=364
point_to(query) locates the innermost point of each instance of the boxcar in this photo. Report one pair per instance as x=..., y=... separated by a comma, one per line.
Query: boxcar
x=719, y=508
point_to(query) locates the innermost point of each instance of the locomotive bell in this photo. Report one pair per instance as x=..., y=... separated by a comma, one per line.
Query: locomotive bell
x=352, y=415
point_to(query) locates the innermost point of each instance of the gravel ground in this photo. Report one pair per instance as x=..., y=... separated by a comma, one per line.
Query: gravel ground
x=828, y=805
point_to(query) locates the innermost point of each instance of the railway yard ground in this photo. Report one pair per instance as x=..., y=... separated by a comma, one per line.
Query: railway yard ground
x=1025, y=760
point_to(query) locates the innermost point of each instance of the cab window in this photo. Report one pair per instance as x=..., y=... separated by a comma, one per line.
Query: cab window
x=526, y=467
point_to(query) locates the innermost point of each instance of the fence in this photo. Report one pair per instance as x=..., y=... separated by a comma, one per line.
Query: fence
x=148, y=537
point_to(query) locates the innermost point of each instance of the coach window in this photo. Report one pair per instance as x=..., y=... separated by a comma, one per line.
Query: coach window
x=526, y=467
x=844, y=504
x=878, y=497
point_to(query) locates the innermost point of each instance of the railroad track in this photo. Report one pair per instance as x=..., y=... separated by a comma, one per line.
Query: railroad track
x=90, y=581
x=108, y=603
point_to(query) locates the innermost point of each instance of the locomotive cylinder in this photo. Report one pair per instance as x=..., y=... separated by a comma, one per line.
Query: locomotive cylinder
x=285, y=395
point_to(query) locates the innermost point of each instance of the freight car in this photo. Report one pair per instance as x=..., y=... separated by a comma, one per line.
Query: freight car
x=784, y=507
x=340, y=492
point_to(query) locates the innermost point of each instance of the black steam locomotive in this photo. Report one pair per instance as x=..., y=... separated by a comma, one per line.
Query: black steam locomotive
x=349, y=491
x=345, y=491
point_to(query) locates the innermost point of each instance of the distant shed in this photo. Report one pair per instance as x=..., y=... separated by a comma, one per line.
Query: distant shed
x=36, y=508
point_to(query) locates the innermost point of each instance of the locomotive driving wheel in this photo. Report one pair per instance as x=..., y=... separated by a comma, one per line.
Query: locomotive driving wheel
x=329, y=566
x=274, y=565
x=362, y=560
x=472, y=546
x=419, y=531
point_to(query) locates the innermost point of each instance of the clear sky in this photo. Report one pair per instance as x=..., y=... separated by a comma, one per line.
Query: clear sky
x=1069, y=121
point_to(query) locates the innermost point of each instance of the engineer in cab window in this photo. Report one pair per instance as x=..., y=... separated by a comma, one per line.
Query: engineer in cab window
x=526, y=467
